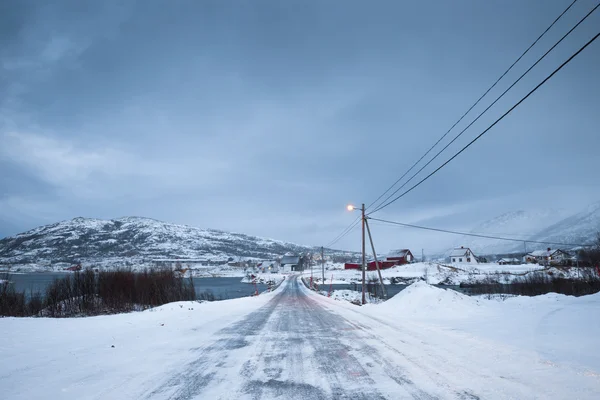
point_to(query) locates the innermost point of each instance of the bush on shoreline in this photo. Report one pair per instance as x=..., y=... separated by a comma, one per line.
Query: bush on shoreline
x=538, y=283
x=88, y=293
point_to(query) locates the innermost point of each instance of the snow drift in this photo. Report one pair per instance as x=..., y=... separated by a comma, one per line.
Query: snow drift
x=421, y=299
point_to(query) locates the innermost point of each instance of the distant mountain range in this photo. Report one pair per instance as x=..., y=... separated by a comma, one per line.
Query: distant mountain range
x=135, y=241
x=555, y=226
x=132, y=241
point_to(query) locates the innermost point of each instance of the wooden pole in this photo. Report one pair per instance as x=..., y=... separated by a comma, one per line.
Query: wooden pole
x=364, y=263
x=323, y=265
x=376, y=261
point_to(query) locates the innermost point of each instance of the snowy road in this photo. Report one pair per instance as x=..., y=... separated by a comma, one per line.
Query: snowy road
x=304, y=346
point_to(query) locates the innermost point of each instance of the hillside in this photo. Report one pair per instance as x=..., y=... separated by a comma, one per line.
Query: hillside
x=131, y=241
x=542, y=225
x=517, y=224
x=580, y=228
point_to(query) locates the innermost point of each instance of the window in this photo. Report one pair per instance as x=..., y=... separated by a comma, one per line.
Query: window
x=454, y=260
x=460, y=260
x=468, y=259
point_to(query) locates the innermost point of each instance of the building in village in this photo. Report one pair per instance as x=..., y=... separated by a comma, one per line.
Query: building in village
x=548, y=257
x=509, y=261
x=290, y=263
x=403, y=256
x=267, y=266
x=463, y=255
x=396, y=257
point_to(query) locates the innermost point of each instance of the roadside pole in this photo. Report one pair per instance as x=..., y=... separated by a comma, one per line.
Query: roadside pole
x=376, y=261
x=311, y=272
x=323, y=265
x=364, y=264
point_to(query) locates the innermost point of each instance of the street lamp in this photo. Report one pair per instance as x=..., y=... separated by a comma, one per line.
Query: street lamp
x=350, y=207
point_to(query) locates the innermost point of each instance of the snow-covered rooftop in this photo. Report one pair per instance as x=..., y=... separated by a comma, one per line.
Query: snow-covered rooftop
x=398, y=253
x=459, y=252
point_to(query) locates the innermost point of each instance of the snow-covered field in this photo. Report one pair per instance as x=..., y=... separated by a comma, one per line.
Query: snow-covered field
x=558, y=328
x=423, y=342
x=436, y=273
x=110, y=356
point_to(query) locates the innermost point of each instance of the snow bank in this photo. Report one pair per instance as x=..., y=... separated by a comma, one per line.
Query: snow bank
x=82, y=358
x=421, y=299
x=351, y=296
x=559, y=328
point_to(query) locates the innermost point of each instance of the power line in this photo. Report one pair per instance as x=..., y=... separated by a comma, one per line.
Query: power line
x=474, y=104
x=484, y=111
x=346, y=231
x=492, y=125
x=474, y=234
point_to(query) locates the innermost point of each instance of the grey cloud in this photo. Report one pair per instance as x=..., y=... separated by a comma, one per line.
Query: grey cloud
x=268, y=117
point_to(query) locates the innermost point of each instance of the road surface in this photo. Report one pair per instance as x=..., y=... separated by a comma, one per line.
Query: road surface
x=301, y=345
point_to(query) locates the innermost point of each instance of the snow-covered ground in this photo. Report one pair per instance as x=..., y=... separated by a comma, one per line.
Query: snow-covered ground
x=437, y=273
x=351, y=296
x=293, y=343
x=110, y=356
x=559, y=328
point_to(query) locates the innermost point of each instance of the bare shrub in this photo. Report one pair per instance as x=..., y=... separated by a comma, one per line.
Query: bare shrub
x=538, y=283
x=89, y=293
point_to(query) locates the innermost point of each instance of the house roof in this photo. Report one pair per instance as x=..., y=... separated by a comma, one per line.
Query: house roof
x=540, y=253
x=461, y=252
x=290, y=260
x=398, y=253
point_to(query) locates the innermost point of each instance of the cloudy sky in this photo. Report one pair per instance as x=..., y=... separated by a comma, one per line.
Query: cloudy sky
x=268, y=117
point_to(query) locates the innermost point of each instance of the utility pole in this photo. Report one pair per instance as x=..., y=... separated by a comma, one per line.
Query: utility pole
x=311, y=270
x=376, y=261
x=323, y=264
x=364, y=263
x=422, y=255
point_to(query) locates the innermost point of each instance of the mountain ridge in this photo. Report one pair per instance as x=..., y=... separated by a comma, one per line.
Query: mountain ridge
x=132, y=240
x=546, y=225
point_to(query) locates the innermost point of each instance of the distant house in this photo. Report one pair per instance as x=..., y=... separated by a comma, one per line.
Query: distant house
x=399, y=257
x=74, y=268
x=290, y=263
x=509, y=261
x=548, y=256
x=395, y=257
x=267, y=266
x=352, y=266
x=463, y=255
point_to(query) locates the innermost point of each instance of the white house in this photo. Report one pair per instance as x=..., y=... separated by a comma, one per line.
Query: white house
x=509, y=261
x=463, y=256
x=290, y=263
x=547, y=256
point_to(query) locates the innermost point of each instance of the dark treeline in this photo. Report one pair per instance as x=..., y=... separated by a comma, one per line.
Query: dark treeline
x=107, y=292
x=538, y=283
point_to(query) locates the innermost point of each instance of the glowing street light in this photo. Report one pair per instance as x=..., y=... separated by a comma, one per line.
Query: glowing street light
x=350, y=207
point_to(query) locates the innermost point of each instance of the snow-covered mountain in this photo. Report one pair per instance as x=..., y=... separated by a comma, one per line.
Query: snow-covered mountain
x=132, y=241
x=580, y=228
x=516, y=224
x=544, y=225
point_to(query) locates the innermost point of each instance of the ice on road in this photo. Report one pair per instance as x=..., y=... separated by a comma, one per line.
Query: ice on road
x=304, y=346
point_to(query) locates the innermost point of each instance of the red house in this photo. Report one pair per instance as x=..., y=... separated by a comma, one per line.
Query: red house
x=371, y=265
x=74, y=268
x=402, y=256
